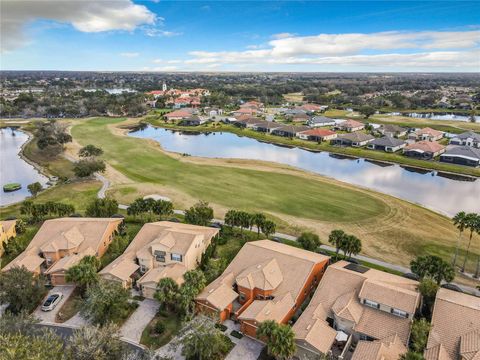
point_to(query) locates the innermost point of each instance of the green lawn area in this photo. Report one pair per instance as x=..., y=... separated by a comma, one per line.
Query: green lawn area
x=172, y=326
x=253, y=190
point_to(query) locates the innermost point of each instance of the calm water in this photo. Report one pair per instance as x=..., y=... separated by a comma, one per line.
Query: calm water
x=437, y=116
x=13, y=168
x=427, y=188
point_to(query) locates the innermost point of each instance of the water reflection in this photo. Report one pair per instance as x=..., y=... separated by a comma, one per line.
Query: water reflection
x=13, y=168
x=438, y=192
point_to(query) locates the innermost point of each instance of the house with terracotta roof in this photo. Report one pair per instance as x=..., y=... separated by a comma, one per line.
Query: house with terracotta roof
x=427, y=133
x=7, y=232
x=61, y=243
x=265, y=281
x=424, y=150
x=350, y=125
x=180, y=114
x=455, y=331
x=390, y=348
x=160, y=249
x=245, y=111
x=317, y=135
x=252, y=105
x=365, y=304
x=300, y=117
x=311, y=108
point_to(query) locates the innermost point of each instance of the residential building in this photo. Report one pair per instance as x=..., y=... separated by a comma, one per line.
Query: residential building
x=390, y=348
x=160, y=249
x=427, y=134
x=253, y=105
x=265, y=281
x=289, y=130
x=468, y=138
x=318, y=121
x=317, y=135
x=266, y=126
x=350, y=126
x=387, y=144
x=180, y=114
x=365, y=304
x=355, y=139
x=311, y=108
x=455, y=331
x=300, y=117
x=61, y=243
x=290, y=113
x=461, y=155
x=424, y=150
x=392, y=130
x=245, y=111
x=193, y=120
x=249, y=122
x=7, y=232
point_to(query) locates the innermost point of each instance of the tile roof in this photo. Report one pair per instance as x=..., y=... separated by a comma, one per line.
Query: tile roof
x=429, y=131
x=318, y=132
x=468, y=135
x=350, y=124
x=292, y=128
x=388, y=141
x=455, y=319
x=339, y=294
x=264, y=263
x=391, y=128
x=462, y=150
x=180, y=113
x=390, y=348
x=7, y=224
x=425, y=146
x=321, y=120
x=356, y=136
x=153, y=276
x=276, y=309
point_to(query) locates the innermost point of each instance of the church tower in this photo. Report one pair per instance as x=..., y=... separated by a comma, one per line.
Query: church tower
x=164, y=86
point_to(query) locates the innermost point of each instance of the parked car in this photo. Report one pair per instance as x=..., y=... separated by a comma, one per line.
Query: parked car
x=411, y=276
x=52, y=301
x=452, y=287
x=276, y=239
x=216, y=225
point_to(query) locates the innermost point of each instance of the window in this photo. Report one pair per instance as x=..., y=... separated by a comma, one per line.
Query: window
x=400, y=313
x=242, y=296
x=372, y=304
x=143, y=269
x=160, y=258
x=176, y=257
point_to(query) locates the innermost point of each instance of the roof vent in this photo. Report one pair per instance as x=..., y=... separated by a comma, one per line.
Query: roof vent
x=267, y=312
x=210, y=291
x=309, y=326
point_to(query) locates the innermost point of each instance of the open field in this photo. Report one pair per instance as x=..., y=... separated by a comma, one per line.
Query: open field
x=391, y=229
x=293, y=97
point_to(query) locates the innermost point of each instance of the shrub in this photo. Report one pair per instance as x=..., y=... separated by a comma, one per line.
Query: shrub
x=159, y=327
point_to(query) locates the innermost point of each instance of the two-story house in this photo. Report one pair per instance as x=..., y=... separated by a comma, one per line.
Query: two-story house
x=265, y=281
x=160, y=249
x=364, y=304
x=61, y=243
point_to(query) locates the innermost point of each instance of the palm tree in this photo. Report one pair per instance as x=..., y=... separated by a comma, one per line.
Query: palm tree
x=459, y=220
x=84, y=274
x=336, y=238
x=268, y=228
x=167, y=292
x=280, y=339
x=352, y=245
x=472, y=224
x=258, y=219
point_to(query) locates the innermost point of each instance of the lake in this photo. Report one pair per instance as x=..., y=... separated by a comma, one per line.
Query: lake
x=13, y=168
x=440, y=192
x=436, y=116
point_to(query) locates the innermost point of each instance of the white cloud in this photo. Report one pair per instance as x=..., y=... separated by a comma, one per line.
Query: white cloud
x=153, y=32
x=85, y=16
x=129, y=54
x=166, y=68
x=283, y=35
x=406, y=50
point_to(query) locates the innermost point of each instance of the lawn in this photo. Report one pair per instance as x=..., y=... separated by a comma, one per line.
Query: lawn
x=71, y=307
x=390, y=229
x=171, y=326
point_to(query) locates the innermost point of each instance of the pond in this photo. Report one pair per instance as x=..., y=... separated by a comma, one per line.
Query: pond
x=436, y=116
x=13, y=169
x=440, y=192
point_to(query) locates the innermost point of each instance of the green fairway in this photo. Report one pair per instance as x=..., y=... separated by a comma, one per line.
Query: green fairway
x=231, y=187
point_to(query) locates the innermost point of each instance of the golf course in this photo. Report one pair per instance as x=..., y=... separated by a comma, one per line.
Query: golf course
x=390, y=229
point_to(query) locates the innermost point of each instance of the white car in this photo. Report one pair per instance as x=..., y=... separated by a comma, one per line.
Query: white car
x=52, y=301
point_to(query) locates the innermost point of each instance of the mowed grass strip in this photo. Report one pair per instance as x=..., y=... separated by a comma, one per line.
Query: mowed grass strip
x=230, y=186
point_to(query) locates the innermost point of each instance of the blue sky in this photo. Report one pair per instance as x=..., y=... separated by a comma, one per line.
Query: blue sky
x=131, y=35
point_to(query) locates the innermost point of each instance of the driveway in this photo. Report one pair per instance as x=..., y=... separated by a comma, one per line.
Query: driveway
x=133, y=327
x=49, y=316
x=245, y=349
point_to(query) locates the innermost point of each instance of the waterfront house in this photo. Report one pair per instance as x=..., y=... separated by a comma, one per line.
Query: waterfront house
x=427, y=133
x=462, y=155
x=350, y=126
x=193, y=120
x=424, y=150
x=7, y=232
x=358, y=304
x=180, y=114
x=355, y=139
x=266, y=126
x=318, y=121
x=455, y=331
x=387, y=144
x=392, y=130
x=61, y=243
x=249, y=122
x=468, y=138
x=289, y=130
x=317, y=135
x=160, y=249
x=265, y=281
x=245, y=111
